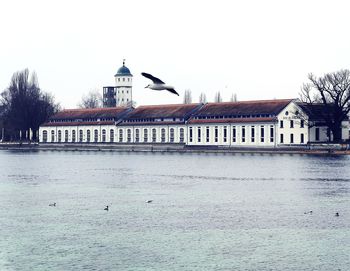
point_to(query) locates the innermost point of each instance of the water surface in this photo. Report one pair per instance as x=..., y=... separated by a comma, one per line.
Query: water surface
x=209, y=211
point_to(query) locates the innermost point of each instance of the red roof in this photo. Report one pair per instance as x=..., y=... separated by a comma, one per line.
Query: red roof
x=232, y=120
x=163, y=111
x=239, y=109
x=91, y=113
x=77, y=123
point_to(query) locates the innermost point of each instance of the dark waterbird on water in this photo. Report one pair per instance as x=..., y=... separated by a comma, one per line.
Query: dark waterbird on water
x=52, y=204
x=107, y=208
x=149, y=201
x=309, y=212
x=158, y=84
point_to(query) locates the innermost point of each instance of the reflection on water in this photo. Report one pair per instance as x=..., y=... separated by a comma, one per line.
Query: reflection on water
x=208, y=211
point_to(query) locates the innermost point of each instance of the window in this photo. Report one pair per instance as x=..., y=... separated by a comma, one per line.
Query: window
x=216, y=134
x=182, y=135
x=88, y=136
x=301, y=138
x=52, y=136
x=120, y=135
x=281, y=123
x=162, y=135
x=262, y=134
x=199, y=134
x=291, y=124
x=243, y=133
x=44, y=136
x=128, y=135
x=95, y=135
x=252, y=134
x=172, y=135
x=73, y=136
x=137, y=135
x=234, y=134
x=301, y=123
x=225, y=134
x=207, y=134
x=111, y=135
x=59, y=139
x=66, y=136
x=272, y=136
x=281, y=138
x=191, y=134
x=154, y=135
x=145, y=135
x=291, y=138
x=80, y=135
x=317, y=135
x=104, y=135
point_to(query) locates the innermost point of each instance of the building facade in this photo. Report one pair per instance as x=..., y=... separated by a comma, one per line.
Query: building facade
x=269, y=123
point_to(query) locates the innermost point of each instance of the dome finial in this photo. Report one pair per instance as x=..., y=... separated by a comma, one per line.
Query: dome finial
x=124, y=62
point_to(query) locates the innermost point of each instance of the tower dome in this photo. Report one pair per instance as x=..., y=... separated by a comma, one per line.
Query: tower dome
x=123, y=70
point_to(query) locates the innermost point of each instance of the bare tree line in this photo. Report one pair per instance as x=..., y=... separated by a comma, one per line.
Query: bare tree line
x=203, y=97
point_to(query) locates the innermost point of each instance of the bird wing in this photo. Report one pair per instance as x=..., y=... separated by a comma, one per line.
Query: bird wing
x=154, y=79
x=172, y=91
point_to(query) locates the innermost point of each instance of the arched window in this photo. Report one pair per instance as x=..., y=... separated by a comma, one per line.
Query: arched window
x=162, y=135
x=80, y=135
x=73, y=136
x=120, y=135
x=129, y=135
x=52, y=136
x=182, y=135
x=154, y=135
x=145, y=135
x=59, y=138
x=104, y=135
x=96, y=135
x=111, y=135
x=88, y=136
x=172, y=135
x=65, y=135
x=137, y=135
x=44, y=136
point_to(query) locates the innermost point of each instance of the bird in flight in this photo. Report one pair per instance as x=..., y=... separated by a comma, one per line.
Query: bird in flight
x=158, y=84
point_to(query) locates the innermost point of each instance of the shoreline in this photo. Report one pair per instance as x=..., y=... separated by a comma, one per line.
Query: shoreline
x=177, y=148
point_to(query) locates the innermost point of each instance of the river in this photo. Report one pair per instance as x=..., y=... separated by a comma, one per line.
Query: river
x=207, y=211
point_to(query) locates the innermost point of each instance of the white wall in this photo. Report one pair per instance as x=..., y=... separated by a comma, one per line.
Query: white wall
x=294, y=113
x=220, y=139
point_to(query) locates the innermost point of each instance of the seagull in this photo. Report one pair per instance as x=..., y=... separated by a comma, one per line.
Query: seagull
x=158, y=84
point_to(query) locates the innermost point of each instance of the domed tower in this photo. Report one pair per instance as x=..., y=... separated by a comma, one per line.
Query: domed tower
x=123, y=84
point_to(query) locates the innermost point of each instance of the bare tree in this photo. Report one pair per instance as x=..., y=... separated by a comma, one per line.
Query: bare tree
x=24, y=106
x=218, y=97
x=203, y=98
x=187, y=97
x=233, y=97
x=92, y=100
x=332, y=91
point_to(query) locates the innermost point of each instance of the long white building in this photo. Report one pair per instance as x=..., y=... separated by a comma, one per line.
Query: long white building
x=266, y=123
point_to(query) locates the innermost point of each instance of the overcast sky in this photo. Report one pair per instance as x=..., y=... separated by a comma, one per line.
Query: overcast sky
x=257, y=49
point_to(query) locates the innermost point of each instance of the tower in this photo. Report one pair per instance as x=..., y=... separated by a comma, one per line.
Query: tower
x=123, y=86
